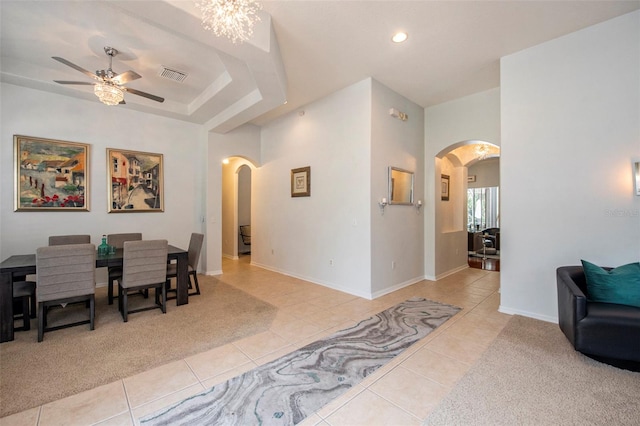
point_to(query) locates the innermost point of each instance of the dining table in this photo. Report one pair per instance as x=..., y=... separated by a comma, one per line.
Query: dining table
x=20, y=265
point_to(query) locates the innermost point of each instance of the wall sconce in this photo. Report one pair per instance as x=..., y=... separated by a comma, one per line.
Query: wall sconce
x=419, y=205
x=398, y=114
x=382, y=203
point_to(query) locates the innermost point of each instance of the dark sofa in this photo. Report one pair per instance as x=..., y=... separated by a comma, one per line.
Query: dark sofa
x=606, y=332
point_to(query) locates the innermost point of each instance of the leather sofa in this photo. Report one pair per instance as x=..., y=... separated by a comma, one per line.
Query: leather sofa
x=606, y=332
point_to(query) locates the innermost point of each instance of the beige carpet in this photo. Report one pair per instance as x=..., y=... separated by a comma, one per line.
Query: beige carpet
x=75, y=359
x=531, y=375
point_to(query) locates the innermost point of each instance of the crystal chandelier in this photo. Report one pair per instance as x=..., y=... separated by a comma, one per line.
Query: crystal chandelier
x=108, y=93
x=233, y=19
x=482, y=151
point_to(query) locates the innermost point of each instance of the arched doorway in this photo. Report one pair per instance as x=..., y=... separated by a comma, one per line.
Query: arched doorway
x=236, y=205
x=451, y=221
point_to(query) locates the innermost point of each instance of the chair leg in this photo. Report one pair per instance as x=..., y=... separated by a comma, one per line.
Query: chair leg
x=33, y=311
x=92, y=312
x=125, y=306
x=164, y=300
x=41, y=314
x=195, y=282
x=110, y=292
x=26, y=319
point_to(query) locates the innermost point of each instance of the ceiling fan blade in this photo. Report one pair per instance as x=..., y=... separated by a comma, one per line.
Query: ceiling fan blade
x=76, y=67
x=126, y=77
x=143, y=94
x=75, y=82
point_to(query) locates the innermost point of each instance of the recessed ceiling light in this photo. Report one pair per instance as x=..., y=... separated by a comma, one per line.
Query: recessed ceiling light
x=399, y=37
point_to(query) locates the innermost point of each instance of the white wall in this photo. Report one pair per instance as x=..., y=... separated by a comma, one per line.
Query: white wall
x=487, y=173
x=324, y=238
x=397, y=235
x=475, y=117
x=40, y=114
x=570, y=129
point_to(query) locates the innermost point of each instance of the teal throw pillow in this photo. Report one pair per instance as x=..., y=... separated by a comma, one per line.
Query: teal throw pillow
x=620, y=285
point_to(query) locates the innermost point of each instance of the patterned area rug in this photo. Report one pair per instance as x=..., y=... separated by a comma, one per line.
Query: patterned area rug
x=285, y=391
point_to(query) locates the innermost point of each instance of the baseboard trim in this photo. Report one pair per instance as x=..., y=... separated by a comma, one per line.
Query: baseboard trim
x=510, y=311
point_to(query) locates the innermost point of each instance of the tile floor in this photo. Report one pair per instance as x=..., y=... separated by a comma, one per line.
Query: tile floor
x=403, y=392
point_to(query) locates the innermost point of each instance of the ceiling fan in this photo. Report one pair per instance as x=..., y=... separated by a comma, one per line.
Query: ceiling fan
x=109, y=86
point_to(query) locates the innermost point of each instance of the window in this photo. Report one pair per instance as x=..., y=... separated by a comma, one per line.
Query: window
x=483, y=208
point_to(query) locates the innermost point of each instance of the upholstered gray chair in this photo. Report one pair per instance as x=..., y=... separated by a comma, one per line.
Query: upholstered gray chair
x=195, y=246
x=144, y=266
x=65, y=274
x=115, y=272
x=59, y=240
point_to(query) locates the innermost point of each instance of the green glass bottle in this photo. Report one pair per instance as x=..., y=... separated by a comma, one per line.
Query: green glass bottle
x=103, y=248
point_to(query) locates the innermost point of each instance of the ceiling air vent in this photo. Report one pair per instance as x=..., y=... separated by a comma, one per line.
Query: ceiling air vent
x=172, y=74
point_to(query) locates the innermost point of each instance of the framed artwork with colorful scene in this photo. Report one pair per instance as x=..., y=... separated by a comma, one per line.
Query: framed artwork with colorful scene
x=135, y=181
x=50, y=175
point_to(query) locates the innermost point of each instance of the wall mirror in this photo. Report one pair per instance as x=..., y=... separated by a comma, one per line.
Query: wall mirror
x=400, y=186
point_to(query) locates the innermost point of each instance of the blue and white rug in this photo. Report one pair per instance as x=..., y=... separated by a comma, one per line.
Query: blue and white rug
x=288, y=389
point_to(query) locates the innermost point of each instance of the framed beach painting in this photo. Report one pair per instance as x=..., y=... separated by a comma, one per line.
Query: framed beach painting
x=50, y=175
x=135, y=181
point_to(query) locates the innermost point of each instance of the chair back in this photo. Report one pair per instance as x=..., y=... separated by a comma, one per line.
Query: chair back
x=59, y=240
x=144, y=262
x=65, y=271
x=118, y=240
x=195, y=246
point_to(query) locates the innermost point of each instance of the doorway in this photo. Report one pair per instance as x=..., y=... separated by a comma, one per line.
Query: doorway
x=236, y=206
x=457, y=232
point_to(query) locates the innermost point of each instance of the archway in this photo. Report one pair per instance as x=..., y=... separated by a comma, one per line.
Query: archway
x=237, y=187
x=451, y=219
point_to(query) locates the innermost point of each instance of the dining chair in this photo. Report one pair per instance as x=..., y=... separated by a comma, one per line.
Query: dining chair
x=144, y=266
x=65, y=274
x=24, y=292
x=195, y=246
x=59, y=240
x=115, y=272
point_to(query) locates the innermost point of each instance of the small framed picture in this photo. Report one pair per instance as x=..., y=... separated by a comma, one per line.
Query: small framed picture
x=50, y=175
x=471, y=178
x=444, y=185
x=301, y=182
x=135, y=181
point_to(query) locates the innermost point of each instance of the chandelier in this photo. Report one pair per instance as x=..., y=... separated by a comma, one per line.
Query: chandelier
x=482, y=151
x=233, y=19
x=108, y=93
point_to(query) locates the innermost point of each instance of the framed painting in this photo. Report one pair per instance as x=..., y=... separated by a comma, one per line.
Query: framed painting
x=301, y=182
x=135, y=181
x=444, y=185
x=50, y=175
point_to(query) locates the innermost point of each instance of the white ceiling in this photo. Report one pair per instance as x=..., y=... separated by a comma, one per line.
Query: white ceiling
x=301, y=50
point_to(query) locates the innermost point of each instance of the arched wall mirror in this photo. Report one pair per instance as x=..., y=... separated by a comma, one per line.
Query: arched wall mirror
x=400, y=186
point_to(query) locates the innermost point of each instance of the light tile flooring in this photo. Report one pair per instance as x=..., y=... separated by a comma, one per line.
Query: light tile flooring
x=403, y=392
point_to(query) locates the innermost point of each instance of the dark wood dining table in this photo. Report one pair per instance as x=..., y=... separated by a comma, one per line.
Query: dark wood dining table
x=25, y=264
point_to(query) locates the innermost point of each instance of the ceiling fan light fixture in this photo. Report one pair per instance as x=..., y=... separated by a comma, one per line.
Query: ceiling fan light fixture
x=109, y=94
x=233, y=19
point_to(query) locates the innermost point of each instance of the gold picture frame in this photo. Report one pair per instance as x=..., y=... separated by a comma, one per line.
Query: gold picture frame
x=301, y=182
x=50, y=174
x=135, y=181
